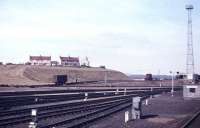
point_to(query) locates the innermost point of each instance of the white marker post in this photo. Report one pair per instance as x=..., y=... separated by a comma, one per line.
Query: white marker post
x=124, y=91
x=105, y=78
x=86, y=96
x=33, y=123
x=34, y=112
x=160, y=84
x=117, y=91
x=146, y=102
x=126, y=119
x=126, y=116
x=36, y=99
x=151, y=96
x=172, y=90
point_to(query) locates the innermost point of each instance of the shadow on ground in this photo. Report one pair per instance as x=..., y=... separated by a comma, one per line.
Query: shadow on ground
x=148, y=116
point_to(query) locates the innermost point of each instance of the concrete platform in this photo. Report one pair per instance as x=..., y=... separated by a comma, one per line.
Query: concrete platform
x=163, y=111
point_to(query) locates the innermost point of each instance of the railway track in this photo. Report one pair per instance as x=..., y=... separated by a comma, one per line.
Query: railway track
x=87, y=117
x=14, y=99
x=76, y=90
x=49, y=113
x=194, y=122
x=21, y=114
x=70, y=113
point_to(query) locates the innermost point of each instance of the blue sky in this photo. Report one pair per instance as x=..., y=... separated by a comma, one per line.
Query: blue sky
x=133, y=36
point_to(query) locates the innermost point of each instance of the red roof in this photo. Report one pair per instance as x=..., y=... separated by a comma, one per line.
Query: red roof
x=69, y=59
x=40, y=57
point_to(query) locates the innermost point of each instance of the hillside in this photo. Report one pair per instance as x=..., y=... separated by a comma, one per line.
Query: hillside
x=29, y=75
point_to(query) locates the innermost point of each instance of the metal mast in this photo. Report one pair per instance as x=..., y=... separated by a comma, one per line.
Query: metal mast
x=190, y=56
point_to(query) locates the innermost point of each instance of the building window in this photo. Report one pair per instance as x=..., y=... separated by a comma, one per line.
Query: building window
x=192, y=90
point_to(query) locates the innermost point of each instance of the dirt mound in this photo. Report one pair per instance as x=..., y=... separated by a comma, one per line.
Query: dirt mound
x=28, y=75
x=13, y=75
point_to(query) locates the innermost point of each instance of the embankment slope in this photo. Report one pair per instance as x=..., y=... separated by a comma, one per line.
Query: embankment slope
x=36, y=75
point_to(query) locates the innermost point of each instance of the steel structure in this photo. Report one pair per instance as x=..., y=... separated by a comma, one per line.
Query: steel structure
x=190, y=56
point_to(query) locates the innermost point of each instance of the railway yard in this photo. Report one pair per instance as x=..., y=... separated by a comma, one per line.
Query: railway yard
x=99, y=64
x=92, y=107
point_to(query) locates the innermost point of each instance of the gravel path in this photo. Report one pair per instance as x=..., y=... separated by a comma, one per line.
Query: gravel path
x=163, y=111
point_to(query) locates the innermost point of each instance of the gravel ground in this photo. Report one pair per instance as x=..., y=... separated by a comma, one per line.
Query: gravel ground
x=195, y=124
x=163, y=111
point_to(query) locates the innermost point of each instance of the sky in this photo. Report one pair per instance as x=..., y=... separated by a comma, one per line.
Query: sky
x=132, y=36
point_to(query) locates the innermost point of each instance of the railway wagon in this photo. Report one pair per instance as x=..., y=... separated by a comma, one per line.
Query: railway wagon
x=60, y=79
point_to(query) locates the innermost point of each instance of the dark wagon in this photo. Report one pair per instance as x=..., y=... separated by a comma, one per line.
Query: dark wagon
x=60, y=79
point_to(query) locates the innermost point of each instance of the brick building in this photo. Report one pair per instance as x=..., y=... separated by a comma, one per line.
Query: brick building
x=40, y=60
x=70, y=61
